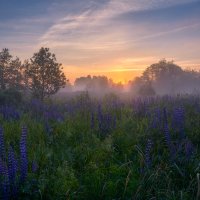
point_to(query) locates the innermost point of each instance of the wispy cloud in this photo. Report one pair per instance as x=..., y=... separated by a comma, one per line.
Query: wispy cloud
x=87, y=26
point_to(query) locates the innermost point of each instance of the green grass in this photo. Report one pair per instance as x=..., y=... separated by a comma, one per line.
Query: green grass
x=75, y=162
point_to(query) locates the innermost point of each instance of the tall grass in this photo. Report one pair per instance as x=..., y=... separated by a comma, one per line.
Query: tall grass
x=145, y=148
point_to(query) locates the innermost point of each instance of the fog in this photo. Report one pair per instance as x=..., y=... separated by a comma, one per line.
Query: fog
x=162, y=78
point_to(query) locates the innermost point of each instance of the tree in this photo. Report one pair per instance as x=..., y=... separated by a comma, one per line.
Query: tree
x=162, y=78
x=95, y=83
x=26, y=79
x=14, y=75
x=10, y=71
x=83, y=82
x=162, y=70
x=5, y=59
x=45, y=74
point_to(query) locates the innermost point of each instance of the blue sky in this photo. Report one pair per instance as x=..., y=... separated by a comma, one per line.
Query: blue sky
x=118, y=38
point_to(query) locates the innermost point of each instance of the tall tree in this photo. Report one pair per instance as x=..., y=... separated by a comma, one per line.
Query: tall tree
x=25, y=73
x=5, y=59
x=163, y=77
x=14, y=76
x=10, y=71
x=162, y=70
x=46, y=74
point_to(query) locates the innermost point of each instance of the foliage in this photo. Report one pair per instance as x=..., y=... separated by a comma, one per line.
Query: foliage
x=165, y=77
x=85, y=148
x=42, y=76
x=45, y=74
x=92, y=83
x=10, y=71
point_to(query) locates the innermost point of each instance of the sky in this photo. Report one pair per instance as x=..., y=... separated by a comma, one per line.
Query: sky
x=116, y=38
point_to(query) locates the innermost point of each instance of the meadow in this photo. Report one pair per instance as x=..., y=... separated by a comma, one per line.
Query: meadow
x=88, y=148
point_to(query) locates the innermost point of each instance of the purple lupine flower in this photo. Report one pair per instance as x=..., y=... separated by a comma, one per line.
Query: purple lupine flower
x=169, y=142
x=34, y=166
x=9, y=113
x=148, y=153
x=154, y=118
x=12, y=164
x=12, y=171
x=5, y=186
x=23, y=154
x=167, y=135
x=2, y=146
x=178, y=121
x=2, y=166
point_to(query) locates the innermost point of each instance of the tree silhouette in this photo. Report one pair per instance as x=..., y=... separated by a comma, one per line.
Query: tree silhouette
x=45, y=74
x=94, y=83
x=10, y=71
x=14, y=76
x=162, y=70
x=163, y=77
x=5, y=59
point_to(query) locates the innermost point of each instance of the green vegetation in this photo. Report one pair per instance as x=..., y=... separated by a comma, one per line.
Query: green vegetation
x=109, y=149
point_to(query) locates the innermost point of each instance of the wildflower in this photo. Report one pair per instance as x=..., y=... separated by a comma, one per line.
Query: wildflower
x=23, y=152
x=2, y=146
x=148, y=152
x=34, y=166
x=168, y=136
x=12, y=171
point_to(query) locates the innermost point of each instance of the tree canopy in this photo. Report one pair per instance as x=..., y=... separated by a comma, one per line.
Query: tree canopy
x=45, y=73
x=10, y=71
x=92, y=83
x=165, y=77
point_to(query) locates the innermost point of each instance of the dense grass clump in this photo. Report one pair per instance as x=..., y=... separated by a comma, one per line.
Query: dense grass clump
x=84, y=148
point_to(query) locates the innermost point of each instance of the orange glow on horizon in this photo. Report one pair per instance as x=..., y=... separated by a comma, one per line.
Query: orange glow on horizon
x=122, y=72
x=117, y=76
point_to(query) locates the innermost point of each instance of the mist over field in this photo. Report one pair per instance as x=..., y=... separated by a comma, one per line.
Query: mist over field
x=100, y=100
x=161, y=78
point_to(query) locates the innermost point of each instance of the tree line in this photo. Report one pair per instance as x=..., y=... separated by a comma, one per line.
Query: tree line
x=97, y=84
x=165, y=77
x=161, y=78
x=40, y=76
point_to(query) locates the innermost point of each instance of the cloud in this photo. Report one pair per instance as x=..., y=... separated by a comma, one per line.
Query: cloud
x=93, y=34
x=95, y=27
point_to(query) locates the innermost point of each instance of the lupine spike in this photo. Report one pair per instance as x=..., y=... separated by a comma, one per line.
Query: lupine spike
x=2, y=145
x=179, y=120
x=167, y=135
x=23, y=153
x=5, y=185
x=34, y=166
x=12, y=171
x=148, y=153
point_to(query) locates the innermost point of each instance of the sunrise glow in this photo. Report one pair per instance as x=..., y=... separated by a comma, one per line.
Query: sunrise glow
x=115, y=38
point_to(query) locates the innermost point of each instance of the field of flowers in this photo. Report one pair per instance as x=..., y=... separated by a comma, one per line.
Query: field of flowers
x=87, y=148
